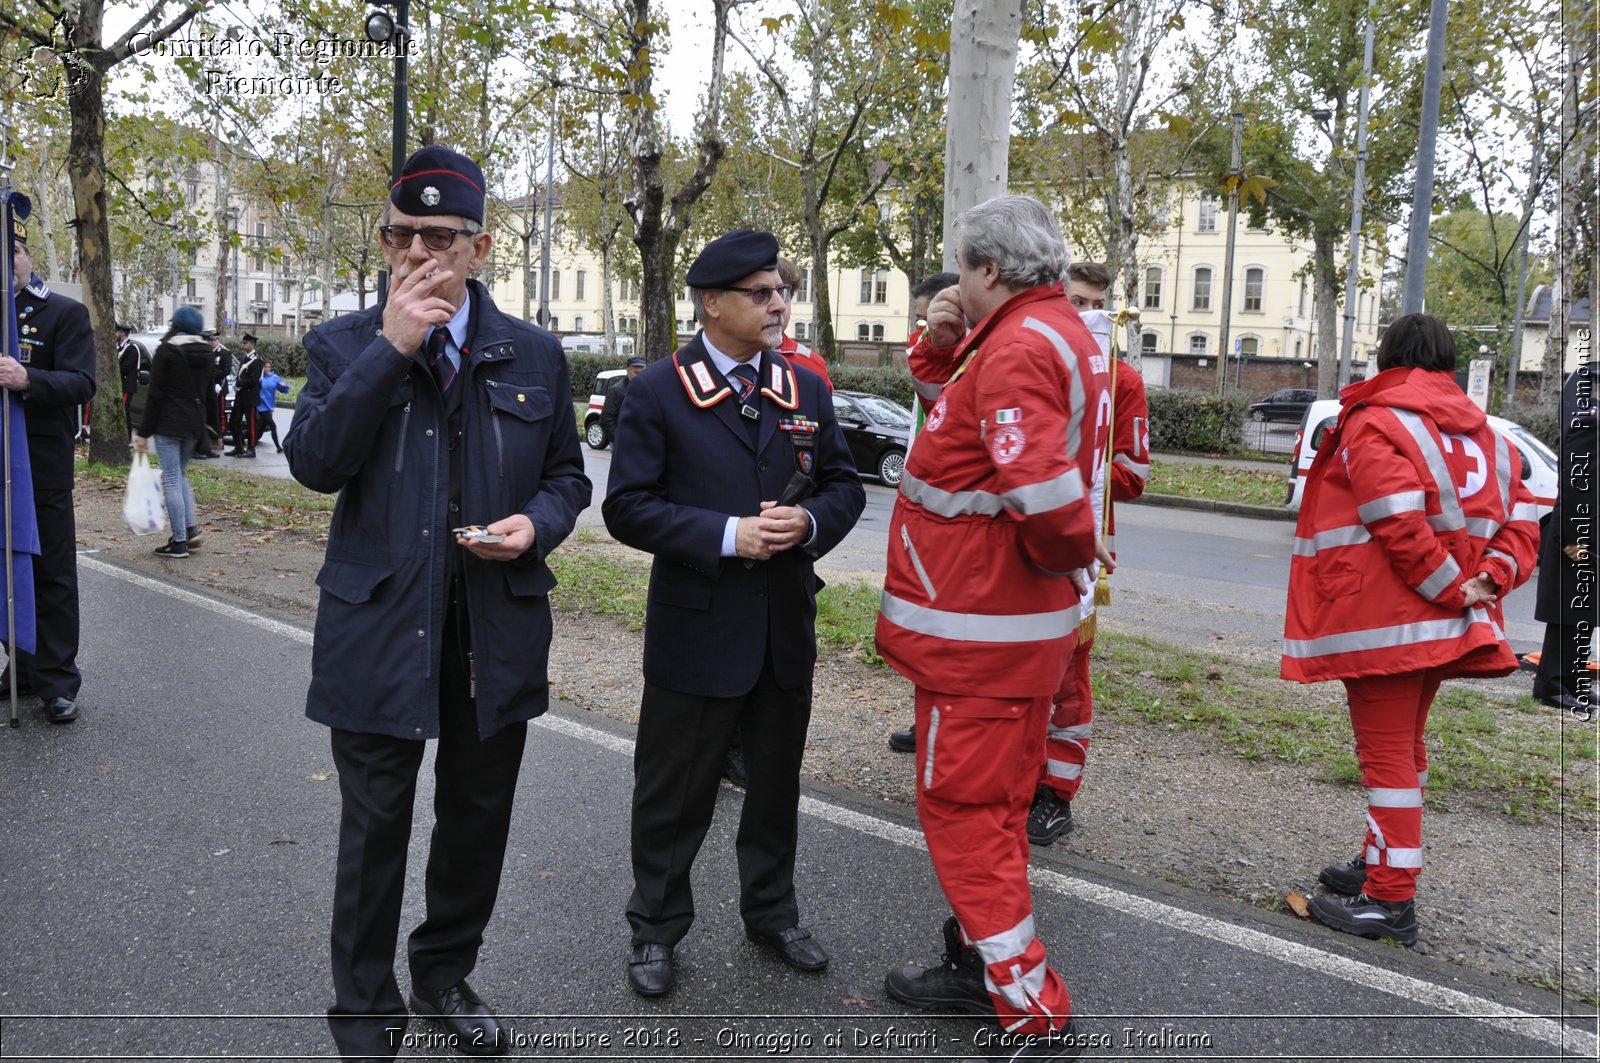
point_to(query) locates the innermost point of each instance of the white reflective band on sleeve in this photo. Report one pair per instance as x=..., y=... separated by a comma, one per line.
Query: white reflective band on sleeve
x=1029, y=499
x=1407, y=858
x=1525, y=511
x=1377, y=638
x=1141, y=471
x=1477, y=527
x=1389, y=505
x=1502, y=470
x=1507, y=558
x=1349, y=535
x=1383, y=798
x=1060, y=769
x=1008, y=944
x=1442, y=579
x=978, y=627
x=1422, y=777
x=933, y=734
x=1076, y=731
x=1374, y=855
x=1075, y=392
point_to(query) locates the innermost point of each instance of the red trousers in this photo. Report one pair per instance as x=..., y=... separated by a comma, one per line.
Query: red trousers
x=1066, y=746
x=976, y=773
x=1388, y=714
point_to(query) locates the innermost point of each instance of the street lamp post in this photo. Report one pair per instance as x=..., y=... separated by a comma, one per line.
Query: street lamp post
x=380, y=28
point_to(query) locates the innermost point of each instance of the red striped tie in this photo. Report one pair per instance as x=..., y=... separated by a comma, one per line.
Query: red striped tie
x=444, y=371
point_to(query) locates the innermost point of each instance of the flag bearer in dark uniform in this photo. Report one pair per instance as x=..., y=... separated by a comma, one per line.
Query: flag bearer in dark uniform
x=246, y=397
x=54, y=377
x=730, y=469
x=429, y=412
x=129, y=357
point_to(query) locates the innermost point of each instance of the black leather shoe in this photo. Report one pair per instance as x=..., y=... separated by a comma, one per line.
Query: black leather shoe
x=234, y=453
x=650, y=969
x=249, y=453
x=61, y=710
x=903, y=741
x=472, y=1026
x=794, y=946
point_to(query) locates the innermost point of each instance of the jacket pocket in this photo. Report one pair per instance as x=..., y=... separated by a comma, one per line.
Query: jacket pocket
x=516, y=412
x=351, y=582
x=1337, y=581
x=916, y=563
x=529, y=581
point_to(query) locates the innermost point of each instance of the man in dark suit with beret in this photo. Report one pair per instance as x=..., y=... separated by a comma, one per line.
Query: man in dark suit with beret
x=730, y=469
x=429, y=412
x=54, y=376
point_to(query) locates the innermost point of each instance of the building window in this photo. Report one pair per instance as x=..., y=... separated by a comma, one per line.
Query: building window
x=555, y=324
x=555, y=284
x=194, y=192
x=577, y=322
x=1152, y=288
x=630, y=289
x=1202, y=288
x=1297, y=347
x=577, y=287
x=1208, y=214
x=799, y=330
x=804, y=294
x=194, y=256
x=188, y=290
x=1198, y=343
x=874, y=286
x=1302, y=297
x=877, y=333
x=1249, y=346
x=1255, y=280
x=533, y=281
x=1148, y=341
x=862, y=332
x=261, y=293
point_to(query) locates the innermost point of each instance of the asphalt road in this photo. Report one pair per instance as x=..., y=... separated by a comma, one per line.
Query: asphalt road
x=166, y=866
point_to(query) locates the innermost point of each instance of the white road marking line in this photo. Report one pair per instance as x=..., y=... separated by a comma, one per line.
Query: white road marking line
x=1580, y=1043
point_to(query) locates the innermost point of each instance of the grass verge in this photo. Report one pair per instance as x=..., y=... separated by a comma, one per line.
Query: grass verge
x=1220, y=483
x=266, y=503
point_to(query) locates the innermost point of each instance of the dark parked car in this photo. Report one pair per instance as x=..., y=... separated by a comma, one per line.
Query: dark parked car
x=877, y=430
x=1288, y=404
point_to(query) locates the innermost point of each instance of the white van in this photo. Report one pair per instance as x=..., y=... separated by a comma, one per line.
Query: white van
x=1540, y=469
x=593, y=434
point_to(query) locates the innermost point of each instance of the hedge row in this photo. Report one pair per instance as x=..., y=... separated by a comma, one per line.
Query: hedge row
x=1191, y=419
x=287, y=356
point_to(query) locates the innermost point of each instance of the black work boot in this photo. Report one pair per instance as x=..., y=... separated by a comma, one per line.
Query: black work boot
x=957, y=984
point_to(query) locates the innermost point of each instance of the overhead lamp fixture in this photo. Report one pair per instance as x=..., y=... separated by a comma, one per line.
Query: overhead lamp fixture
x=379, y=27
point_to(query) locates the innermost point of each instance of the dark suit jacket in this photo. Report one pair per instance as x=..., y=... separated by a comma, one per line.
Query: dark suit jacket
x=682, y=465
x=57, y=345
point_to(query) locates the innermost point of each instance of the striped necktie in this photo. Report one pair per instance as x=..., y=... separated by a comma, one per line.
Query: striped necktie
x=444, y=371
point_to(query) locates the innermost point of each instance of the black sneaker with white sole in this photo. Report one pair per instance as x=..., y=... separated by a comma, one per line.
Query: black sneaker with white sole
x=1368, y=917
x=1049, y=818
x=956, y=985
x=1348, y=878
x=1065, y=1043
x=173, y=549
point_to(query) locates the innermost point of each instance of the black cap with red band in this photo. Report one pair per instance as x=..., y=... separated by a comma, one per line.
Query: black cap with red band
x=437, y=180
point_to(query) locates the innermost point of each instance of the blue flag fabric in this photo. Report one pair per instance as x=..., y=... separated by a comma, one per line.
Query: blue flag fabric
x=24, y=527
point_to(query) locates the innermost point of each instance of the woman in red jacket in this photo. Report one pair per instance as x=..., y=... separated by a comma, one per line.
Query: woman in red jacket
x=1415, y=522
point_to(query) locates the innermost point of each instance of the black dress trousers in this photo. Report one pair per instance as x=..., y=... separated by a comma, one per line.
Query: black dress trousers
x=475, y=783
x=682, y=740
x=51, y=670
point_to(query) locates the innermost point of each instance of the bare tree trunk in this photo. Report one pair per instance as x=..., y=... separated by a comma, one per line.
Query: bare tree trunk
x=108, y=439
x=983, y=68
x=608, y=321
x=224, y=190
x=1325, y=276
x=44, y=212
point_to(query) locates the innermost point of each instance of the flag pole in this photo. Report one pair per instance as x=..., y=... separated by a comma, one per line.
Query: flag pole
x=8, y=327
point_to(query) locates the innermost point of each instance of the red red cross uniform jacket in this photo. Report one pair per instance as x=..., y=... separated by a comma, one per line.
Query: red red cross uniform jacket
x=1411, y=495
x=797, y=353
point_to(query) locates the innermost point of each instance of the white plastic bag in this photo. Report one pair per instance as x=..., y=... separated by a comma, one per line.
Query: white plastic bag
x=145, y=509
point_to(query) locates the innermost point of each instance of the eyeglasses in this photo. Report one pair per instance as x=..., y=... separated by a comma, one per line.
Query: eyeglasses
x=763, y=295
x=434, y=237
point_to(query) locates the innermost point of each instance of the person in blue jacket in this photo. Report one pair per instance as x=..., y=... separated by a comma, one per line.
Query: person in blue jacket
x=271, y=385
x=730, y=468
x=430, y=412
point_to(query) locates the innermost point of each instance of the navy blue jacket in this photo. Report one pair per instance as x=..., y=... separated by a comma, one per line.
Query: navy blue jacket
x=682, y=465
x=371, y=425
x=56, y=343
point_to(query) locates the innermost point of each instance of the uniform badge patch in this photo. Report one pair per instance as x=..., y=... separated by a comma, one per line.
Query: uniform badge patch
x=1006, y=444
x=1011, y=416
x=935, y=416
x=702, y=376
x=430, y=196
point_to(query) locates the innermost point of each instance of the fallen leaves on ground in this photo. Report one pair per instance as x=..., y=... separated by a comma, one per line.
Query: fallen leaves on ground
x=1297, y=904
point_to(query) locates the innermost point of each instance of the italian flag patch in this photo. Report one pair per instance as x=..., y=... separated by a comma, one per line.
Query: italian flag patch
x=1011, y=416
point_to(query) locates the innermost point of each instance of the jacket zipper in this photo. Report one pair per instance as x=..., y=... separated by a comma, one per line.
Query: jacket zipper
x=916, y=563
x=400, y=447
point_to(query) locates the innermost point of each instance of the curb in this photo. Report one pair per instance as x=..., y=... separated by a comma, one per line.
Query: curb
x=1238, y=509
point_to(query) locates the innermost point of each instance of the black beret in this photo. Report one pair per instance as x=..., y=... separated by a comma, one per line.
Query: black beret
x=637, y=363
x=733, y=257
x=437, y=180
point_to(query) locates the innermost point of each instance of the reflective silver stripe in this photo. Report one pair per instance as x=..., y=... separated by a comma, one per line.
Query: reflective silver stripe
x=978, y=627
x=933, y=734
x=1374, y=855
x=1389, y=505
x=1502, y=470
x=1422, y=777
x=928, y=392
x=1524, y=511
x=916, y=563
x=1008, y=944
x=1349, y=535
x=1027, y=500
x=1449, y=502
x=1076, y=396
x=1377, y=835
x=1407, y=858
x=1387, y=798
x=1477, y=527
x=1141, y=471
x=1507, y=558
x=1442, y=579
x=1077, y=730
x=1379, y=638
x=1060, y=769
x=1023, y=991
